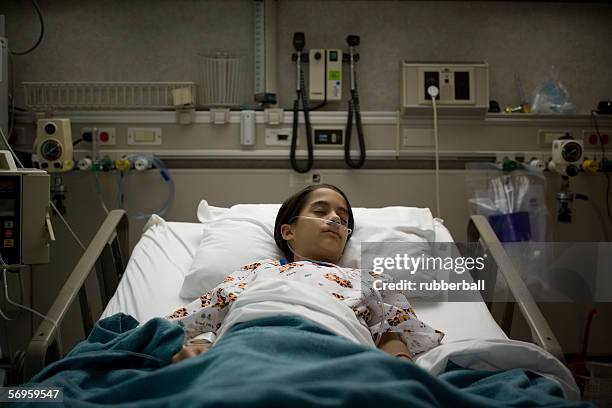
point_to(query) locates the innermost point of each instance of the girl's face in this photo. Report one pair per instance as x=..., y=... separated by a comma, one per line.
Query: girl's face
x=314, y=238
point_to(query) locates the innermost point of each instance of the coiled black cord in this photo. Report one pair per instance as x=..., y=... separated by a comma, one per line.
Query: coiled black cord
x=40, y=35
x=301, y=94
x=353, y=110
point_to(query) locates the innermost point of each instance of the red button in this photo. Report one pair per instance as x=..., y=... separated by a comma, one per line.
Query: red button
x=593, y=139
x=8, y=233
x=104, y=136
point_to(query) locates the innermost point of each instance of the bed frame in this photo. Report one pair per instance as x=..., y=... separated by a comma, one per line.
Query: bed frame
x=108, y=252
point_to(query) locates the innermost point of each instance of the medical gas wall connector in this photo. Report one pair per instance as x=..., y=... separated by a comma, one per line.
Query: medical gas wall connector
x=142, y=163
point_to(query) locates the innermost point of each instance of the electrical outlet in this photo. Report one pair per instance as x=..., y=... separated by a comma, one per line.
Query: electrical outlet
x=280, y=137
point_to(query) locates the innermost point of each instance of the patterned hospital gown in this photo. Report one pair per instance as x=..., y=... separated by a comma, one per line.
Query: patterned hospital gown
x=351, y=286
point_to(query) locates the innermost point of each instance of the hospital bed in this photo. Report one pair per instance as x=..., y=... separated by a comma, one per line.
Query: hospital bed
x=148, y=286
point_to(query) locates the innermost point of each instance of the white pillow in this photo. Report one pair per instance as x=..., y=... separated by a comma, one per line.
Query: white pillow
x=388, y=224
x=208, y=212
x=232, y=237
x=244, y=233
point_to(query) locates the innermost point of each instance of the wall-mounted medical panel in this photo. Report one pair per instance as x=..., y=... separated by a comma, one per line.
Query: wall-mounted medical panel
x=463, y=88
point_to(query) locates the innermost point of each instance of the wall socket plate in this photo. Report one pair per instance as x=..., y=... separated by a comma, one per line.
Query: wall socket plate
x=280, y=136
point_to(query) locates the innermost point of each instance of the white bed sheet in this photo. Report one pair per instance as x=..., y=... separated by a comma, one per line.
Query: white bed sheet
x=154, y=275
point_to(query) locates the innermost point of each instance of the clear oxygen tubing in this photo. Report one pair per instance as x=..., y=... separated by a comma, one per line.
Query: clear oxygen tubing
x=165, y=174
x=332, y=223
x=354, y=111
x=98, y=188
x=301, y=94
x=380, y=301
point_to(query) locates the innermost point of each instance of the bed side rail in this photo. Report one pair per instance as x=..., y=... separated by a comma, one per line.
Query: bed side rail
x=107, y=254
x=479, y=230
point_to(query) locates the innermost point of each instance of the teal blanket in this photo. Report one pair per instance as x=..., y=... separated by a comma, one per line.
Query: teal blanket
x=272, y=362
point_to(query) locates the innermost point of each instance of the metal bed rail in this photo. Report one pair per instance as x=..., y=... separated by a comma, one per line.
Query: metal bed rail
x=479, y=230
x=107, y=254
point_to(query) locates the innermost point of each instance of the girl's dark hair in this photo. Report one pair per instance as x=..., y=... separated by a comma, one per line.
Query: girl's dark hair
x=292, y=207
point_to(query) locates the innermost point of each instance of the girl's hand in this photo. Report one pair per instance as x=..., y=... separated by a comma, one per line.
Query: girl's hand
x=190, y=351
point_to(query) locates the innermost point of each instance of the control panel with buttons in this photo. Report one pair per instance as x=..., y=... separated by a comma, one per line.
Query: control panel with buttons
x=325, y=75
x=10, y=200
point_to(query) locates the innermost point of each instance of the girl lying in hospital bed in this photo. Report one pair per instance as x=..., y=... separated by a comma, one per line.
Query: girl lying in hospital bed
x=293, y=333
x=312, y=229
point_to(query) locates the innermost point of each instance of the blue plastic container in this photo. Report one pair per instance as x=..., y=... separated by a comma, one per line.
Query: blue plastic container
x=513, y=227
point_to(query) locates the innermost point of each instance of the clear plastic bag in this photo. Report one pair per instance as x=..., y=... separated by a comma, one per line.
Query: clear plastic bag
x=551, y=96
x=514, y=204
x=515, y=200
